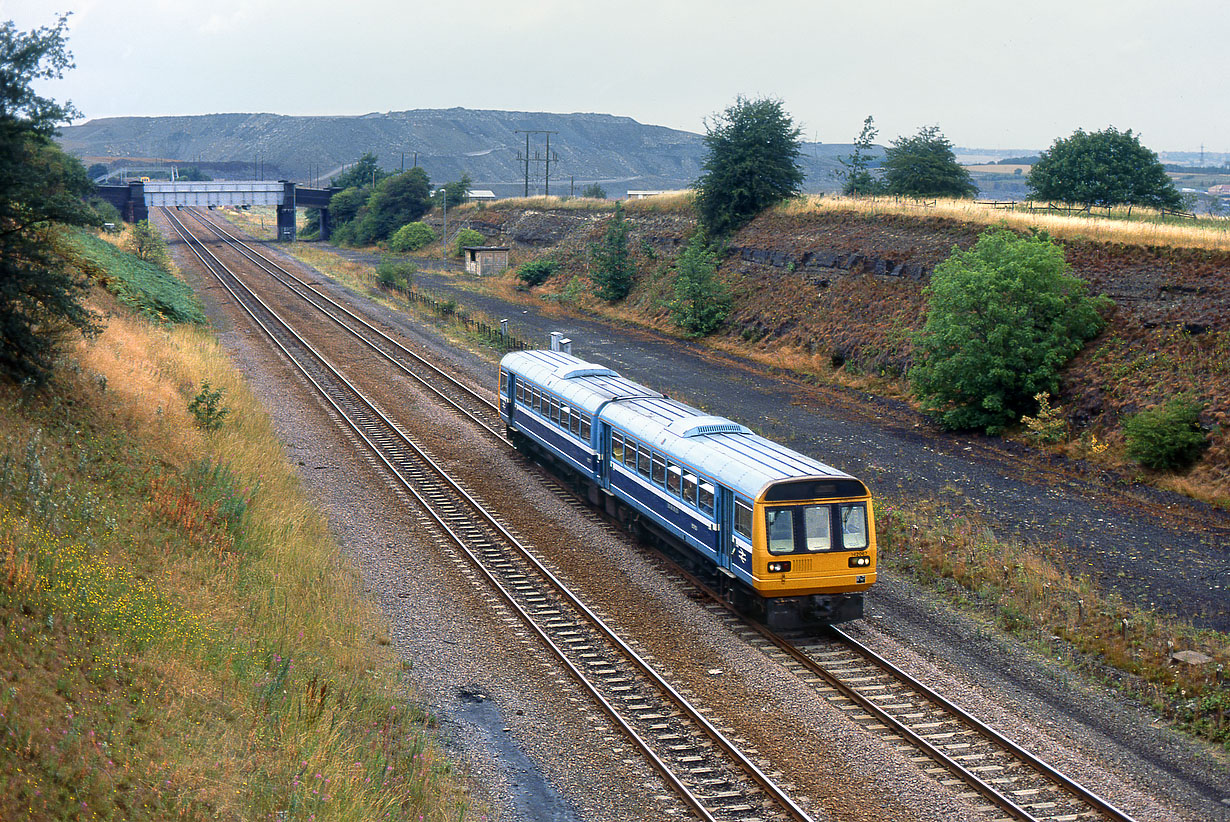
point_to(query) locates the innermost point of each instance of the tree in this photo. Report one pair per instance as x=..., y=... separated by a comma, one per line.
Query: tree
x=613, y=270
x=1104, y=168
x=364, y=172
x=1002, y=319
x=192, y=173
x=456, y=192
x=396, y=200
x=855, y=174
x=701, y=301
x=925, y=166
x=343, y=209
x=144, y=243
x=595, y=191
x=753, y=163
x=98, y=171
x=40, y=187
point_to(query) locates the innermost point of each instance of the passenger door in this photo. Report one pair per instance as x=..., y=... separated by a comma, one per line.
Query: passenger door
x=726, y=527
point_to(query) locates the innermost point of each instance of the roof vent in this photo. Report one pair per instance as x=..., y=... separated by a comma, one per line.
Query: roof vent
x=700, y=426
x=582, y=369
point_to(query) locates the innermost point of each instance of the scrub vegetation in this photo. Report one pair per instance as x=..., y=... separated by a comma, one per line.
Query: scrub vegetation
x=181, y=635
x=1066, y=618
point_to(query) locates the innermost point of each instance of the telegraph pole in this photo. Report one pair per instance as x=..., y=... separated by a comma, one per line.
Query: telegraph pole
x=537, y=159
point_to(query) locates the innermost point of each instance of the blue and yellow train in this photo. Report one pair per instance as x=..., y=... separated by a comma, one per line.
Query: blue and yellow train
x=789, y=539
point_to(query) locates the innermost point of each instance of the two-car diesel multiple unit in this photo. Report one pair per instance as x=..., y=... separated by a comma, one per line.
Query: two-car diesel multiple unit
x=788, y=538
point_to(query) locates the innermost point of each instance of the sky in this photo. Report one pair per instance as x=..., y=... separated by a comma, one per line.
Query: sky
x=990, y=74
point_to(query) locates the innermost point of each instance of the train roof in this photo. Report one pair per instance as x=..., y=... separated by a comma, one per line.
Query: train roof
x=584, y=385
x=718, y=447
x=726, y=451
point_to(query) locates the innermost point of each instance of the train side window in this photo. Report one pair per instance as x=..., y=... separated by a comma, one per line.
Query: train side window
x=674, y=479
x=565, y=416
x=706, y=498
x=585, y=427
x=504, y=382
x=630, y=453
x=536, y=401
x=743, y=518
x=643, y=463
x=520, y=392
x=689, y=489
x=555, y=410
x=780, y=530
x=817, y=527
x=854, y=527
x=617, y=446
x=659, y=470
x=576, y=423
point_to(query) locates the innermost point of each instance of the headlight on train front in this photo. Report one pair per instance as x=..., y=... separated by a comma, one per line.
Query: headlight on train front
x=779, y=567
x=860, y=562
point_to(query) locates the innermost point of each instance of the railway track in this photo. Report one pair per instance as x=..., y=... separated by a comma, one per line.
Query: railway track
x=714, y=779
x=1012, y=783
x=477, y=408
x=951, y=745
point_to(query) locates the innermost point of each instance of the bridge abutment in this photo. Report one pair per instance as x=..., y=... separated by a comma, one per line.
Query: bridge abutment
x=286, y=214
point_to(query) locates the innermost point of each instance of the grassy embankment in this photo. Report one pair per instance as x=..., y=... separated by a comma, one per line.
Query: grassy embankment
x=179, y=634
x=1016, y=587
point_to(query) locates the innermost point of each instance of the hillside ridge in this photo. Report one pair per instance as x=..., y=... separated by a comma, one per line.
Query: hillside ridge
x=615, y=151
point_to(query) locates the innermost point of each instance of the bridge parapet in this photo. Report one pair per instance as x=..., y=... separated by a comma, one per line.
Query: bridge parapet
x=135, y=199
x=214, y=193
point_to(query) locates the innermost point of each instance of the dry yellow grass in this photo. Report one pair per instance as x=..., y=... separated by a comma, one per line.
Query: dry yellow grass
x=1143, y=228
x=223, y=725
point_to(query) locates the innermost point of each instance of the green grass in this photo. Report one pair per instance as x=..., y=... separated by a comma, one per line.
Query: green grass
x=154, y=292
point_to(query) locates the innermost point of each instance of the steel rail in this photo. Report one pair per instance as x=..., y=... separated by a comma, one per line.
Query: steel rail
x=1069, y=785
x=279, y=272
x=1073, y=787
x=763, y=781
x=971, y=779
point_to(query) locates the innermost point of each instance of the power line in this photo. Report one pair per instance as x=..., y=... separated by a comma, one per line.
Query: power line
x=546, y=159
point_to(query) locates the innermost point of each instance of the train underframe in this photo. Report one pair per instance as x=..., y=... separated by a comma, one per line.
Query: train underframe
x=778, y=613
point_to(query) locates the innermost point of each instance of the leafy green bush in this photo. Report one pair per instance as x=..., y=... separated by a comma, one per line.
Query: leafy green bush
x=537, y=272
x=1002, y=319
x=465, y=237
x=701, y=301
x=1166, y=437
x=395, y=273
x=412, y=237
x=107, y=213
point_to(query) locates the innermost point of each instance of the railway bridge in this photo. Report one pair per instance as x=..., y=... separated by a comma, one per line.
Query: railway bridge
x=136, y=199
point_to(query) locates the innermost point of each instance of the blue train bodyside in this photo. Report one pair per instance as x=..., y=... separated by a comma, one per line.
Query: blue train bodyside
x=692, y=478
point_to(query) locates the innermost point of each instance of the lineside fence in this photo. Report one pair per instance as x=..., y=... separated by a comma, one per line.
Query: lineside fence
x=1069, y=209
x=497, y=336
